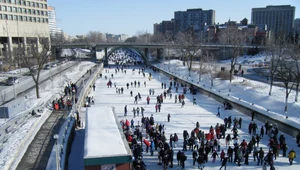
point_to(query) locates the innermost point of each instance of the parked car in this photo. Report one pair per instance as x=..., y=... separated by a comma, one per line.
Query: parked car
x=47, y=66
x=12, y=80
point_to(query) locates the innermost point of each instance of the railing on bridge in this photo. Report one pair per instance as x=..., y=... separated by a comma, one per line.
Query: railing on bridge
x=148, y=45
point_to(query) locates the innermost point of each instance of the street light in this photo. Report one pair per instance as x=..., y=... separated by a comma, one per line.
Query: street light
x=57, y=151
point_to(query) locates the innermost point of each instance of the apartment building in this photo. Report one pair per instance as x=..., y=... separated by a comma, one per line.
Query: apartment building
x=195, y=19
x=278, y=18
x=22, y=23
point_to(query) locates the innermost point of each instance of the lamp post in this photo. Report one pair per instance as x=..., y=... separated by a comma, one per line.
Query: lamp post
x=57, y=151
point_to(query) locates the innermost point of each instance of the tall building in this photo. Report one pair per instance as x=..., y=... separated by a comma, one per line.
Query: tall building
x=297, y=25
x=194, y=19
x=22, y=23
x=157, y=28
x=278, y=18
x=52, y=20
x=164, y=27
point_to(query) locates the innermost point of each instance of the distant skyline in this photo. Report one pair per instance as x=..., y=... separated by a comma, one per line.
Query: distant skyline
x=132, y=17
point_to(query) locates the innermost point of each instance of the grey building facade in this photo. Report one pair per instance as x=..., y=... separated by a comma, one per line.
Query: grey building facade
x=194, y=19
x=278, y=18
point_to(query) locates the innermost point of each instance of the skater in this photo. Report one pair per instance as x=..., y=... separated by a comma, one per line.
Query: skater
x=182, y=103
x=169, y=116
x=125, y=110
x=224, y=163
x=194, y=100
x=142, y=111
x=292, y=155
x=218, y=114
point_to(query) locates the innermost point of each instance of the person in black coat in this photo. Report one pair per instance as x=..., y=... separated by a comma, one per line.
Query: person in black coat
x=194, y=157
x=224, y=163
x=178, y=158
x=170, y=157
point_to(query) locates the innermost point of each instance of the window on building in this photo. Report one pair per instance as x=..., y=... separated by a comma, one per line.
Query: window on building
x=46, y=13
x=38, y=19
x=25, y=18
x=37, y=5
x=1, y=17
x=38, y=12
x=33, y=12
x=42, y=13
x=24, y=3
x=13, y=1
x=5, y=16
x=34, y=19
x=30, y=19
x=24, y=10
x=42, y=20
x=46, y=20
x=19, y=2
x=32, y=4
x=3, y=8
x=27, y=3
x=29, y=11
x=8, y=9
x=14, y=9
x=20, y=18
x=46, y=6
x=19, y=10
x=15, y=17
x=10, y=17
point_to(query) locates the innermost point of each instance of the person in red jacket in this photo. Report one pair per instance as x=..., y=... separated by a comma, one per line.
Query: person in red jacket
x=222, y=155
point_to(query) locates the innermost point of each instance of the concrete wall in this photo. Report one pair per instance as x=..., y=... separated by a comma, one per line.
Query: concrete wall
x=284, y=125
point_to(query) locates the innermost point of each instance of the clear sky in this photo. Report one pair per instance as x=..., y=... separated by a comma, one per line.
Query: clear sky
x=130, y=17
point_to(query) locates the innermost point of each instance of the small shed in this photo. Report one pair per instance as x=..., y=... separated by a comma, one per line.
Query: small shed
x=105, y=147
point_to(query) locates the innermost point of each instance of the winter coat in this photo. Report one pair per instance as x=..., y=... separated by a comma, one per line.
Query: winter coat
x=292, y=154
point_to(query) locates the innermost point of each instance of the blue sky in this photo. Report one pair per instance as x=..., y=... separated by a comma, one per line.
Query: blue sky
x=131, y=17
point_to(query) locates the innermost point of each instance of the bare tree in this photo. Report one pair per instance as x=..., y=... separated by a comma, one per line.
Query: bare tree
x=294, y=53
x=284, y=73
x=234, y=38
x=275, y=48
x=210, y=59
x=94, y=37
x=190, y=46
x=35, y=58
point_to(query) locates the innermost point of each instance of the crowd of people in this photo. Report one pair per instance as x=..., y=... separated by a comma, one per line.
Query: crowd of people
x=125, y=57
x=149, y=137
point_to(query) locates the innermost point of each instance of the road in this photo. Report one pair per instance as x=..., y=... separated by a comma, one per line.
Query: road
x=26, y=82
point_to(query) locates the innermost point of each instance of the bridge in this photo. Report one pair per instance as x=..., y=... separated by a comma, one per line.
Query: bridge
x=143, y=48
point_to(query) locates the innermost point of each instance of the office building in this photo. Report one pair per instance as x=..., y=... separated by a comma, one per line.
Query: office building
x=52, y=21
x=22, y=23
x=194, y=19
x=279, y=19
x=297, y=25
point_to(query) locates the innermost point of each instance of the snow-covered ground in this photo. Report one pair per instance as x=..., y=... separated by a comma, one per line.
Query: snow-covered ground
x=182, y=118
x=249, y=91
x=15, y=146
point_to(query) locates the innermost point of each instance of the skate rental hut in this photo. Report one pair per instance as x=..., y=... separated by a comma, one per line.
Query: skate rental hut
x=105, y=147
